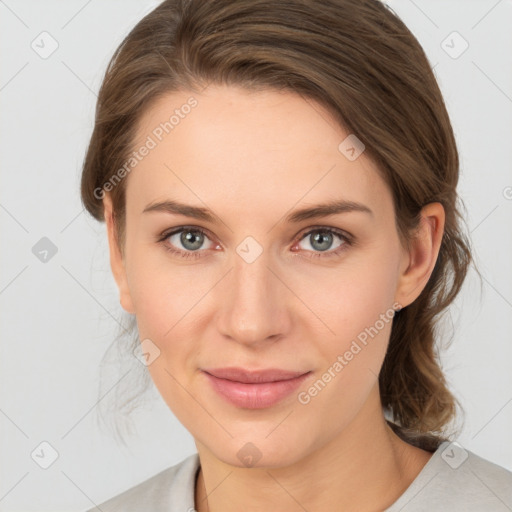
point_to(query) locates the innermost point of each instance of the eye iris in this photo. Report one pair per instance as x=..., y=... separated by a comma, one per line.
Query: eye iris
x=191, y=236
x=321, y=237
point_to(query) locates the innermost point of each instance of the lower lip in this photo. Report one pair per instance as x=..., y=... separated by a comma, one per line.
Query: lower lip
x=255, y=396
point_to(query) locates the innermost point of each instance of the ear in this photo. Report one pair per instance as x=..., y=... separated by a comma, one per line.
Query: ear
x=117, y=260
x=419, y=261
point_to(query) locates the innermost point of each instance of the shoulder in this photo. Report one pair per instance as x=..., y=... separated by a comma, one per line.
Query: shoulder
x=456, y=479
x=171, y=489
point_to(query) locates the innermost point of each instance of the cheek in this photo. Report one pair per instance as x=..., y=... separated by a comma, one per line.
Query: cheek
x=361, y=316
x=152, y=300
x=353, y=299
x=161, y=293
x=163, y=298
x=357, y=305
x=167, y=299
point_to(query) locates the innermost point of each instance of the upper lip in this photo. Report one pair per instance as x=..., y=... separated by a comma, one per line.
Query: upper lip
x=253, y=376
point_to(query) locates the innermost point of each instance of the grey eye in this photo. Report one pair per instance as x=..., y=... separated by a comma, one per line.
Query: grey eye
x=190, y=239
x=321, y=240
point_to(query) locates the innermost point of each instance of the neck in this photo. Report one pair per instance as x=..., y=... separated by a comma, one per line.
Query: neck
x=365, y=467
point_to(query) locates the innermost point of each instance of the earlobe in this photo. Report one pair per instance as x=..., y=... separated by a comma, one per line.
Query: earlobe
x=117, y=261
x=420, y=260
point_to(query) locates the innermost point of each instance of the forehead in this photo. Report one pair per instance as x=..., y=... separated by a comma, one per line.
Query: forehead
x=241, y=149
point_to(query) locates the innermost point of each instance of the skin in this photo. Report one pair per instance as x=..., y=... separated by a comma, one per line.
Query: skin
x=252, y=158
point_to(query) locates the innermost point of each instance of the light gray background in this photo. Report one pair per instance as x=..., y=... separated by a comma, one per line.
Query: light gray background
x=59, y=316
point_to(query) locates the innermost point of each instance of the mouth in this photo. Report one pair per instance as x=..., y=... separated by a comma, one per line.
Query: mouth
x=257, y=389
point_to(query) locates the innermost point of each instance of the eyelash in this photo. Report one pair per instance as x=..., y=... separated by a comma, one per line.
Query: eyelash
x=347, y=239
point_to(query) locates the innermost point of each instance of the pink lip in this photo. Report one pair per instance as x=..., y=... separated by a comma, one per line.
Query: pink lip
x=254, y=389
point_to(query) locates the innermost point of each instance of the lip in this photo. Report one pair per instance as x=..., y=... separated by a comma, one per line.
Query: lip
x=254, y=389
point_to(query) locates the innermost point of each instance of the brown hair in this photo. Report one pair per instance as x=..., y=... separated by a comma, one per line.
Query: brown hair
x=359, y=60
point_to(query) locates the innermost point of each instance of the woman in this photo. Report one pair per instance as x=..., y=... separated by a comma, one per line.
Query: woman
x=278, y=181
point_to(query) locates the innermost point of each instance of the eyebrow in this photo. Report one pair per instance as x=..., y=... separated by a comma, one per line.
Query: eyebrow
x=311, y=212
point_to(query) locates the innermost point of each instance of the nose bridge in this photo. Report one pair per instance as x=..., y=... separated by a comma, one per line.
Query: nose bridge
x=254, y=307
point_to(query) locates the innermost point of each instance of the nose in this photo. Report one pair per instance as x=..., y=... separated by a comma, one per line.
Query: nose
x=254, y=308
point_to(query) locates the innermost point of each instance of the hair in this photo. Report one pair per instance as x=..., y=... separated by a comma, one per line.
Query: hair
x=357, y=59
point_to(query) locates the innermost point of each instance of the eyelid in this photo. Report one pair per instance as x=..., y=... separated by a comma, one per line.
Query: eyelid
x=320, y=227
x=172, y=231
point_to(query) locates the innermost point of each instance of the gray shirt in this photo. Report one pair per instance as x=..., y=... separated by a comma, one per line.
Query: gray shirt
x=453, y=480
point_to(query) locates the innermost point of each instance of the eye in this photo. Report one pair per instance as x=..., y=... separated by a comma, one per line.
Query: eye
x=321, y=239
x=190, y=238
x=187, y=242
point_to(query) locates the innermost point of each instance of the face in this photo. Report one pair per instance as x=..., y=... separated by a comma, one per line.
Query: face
x=252, y=285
